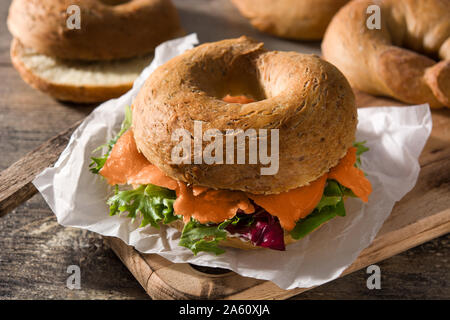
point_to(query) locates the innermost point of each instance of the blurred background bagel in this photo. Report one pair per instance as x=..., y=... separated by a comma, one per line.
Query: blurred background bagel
x=408, y=58
x=292, y=19
x=96, y=62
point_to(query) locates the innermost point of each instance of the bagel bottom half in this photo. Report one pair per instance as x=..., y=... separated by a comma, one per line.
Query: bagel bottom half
x=76, y=81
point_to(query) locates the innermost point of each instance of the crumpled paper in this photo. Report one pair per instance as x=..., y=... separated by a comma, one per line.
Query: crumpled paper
x=395, y=135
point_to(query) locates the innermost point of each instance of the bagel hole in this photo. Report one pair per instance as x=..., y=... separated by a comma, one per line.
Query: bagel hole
x=239, y=83
x=238, y=99
x=219, y=79
x=238, y=89
x=114, y=2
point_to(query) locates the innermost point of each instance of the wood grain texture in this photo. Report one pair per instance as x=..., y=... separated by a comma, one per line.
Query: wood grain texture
x=15, y=182
x=36, y=250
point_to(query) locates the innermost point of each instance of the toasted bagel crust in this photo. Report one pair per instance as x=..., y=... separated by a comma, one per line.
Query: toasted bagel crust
x=395, y=59
x=293, y=19
x=112, y=29
x=306, y=98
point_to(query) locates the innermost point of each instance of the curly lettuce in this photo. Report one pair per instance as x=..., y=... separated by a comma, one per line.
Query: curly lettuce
x=202, y=237
x=206, y=237
x=154, y=204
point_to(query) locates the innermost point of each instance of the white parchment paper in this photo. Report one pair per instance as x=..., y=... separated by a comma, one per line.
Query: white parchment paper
x=395, y=135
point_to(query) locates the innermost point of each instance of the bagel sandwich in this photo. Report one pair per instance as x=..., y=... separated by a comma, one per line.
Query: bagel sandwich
x=95, y=61
x=228, y=85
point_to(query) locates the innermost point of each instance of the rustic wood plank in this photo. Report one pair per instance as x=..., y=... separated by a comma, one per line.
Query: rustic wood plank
x=15, y=182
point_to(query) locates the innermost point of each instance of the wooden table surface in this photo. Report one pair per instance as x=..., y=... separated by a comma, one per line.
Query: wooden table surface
x=35, y=251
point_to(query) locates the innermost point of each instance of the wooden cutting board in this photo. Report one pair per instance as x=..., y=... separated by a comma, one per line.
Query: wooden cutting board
x=423, y=214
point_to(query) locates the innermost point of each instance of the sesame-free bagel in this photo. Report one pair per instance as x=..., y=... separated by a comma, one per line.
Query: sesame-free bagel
x=293, y=19
x=110, y=29
x=305, y=97
x=408, y=58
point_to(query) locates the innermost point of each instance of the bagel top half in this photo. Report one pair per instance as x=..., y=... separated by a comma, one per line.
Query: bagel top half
x=306, y=98
x=109, y=29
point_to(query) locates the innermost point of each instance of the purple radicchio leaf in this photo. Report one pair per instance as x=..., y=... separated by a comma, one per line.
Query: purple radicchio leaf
x=264, y=231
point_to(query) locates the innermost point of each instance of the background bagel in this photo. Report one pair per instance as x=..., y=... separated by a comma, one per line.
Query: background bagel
x=306, y=98
x=400, y=60
x=111, y=29
x=293, y=19
x=98, y=62
x=76, y=81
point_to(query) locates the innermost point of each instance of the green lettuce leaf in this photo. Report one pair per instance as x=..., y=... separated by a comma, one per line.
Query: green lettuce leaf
x=97, y=163
x=154, y=204
x=206, y=237
x=313, y=221
x=328, y=202
x=360, y=149
x=202, y=237
x=330, y=206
